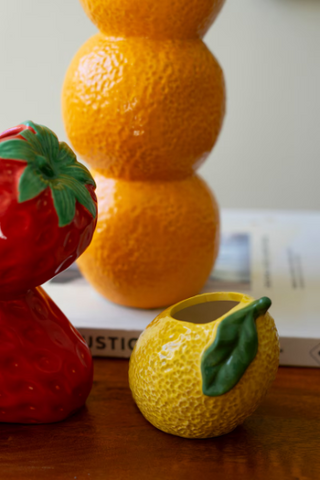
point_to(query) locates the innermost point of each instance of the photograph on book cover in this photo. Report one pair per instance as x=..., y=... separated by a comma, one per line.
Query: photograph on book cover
x=232, y=271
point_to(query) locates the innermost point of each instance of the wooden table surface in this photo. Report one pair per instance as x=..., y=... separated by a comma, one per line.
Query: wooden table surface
x=109, y=438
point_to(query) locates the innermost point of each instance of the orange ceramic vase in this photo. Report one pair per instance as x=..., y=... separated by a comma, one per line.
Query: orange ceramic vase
x=143, y=104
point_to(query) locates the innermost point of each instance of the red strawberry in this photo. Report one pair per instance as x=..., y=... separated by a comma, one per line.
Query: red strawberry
x=46, y=367
x=48, y=213
x=48, y=209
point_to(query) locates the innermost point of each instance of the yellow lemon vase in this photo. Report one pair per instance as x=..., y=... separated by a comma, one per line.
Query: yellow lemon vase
x=204, y=365
x=143, y=104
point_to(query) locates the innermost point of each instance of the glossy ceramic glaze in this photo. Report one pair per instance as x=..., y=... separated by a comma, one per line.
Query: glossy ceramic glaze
x=144, y=101
x=33, y=247
x=48, y=213
x=178, y=357
x=46, y=366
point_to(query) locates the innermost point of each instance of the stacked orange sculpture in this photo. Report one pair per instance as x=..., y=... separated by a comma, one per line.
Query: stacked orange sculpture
x=143, y=104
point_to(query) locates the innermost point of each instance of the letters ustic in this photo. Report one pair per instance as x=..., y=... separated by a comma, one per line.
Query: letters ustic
x=113, y=344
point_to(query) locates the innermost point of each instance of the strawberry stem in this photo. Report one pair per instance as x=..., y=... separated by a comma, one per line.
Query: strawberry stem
x=50, y=164
x=44, y=166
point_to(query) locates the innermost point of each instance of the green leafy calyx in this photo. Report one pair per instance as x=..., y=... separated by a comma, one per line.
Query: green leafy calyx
x=52, y=164
x=234, y=348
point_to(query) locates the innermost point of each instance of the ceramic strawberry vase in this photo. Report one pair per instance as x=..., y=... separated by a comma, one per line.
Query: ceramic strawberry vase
x=48, y=213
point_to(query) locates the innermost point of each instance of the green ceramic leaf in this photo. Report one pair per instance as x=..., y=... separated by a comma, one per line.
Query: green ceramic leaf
x=66, y=155
x=50, y=164
x=234, y=348
x=48, y=141
x=78, y=172
x=65, y=205
x=30, y=184
x=80, y=192
x=32, y=140
x=15, y=149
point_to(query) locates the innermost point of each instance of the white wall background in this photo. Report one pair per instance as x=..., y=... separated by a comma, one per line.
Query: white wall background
x=268, y=155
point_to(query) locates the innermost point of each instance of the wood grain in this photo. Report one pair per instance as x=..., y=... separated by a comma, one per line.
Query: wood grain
x=109, y=438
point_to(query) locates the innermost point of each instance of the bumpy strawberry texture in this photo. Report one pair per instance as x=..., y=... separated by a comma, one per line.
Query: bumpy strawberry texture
x=48, y=213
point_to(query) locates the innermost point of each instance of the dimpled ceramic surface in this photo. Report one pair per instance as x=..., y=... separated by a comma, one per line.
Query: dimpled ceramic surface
x=161, y=104
x=155, y=241
x=165, y=373
x=46, y=367
x=153, y=18
x=144, y=101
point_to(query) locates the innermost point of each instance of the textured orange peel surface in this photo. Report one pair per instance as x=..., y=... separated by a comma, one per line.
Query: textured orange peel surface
x=153, y=19
x=143, y=103
x=158, y=106
x=155, y=242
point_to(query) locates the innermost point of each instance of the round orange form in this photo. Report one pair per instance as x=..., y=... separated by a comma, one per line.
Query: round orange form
x=144, y=110
x=143, y=103
x=153, y=18
x=155, y=242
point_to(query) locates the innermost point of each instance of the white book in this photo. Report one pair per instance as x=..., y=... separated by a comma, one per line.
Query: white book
x=262, y=253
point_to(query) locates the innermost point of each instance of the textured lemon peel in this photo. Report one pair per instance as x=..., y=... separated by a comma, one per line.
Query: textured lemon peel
x=169, y=392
